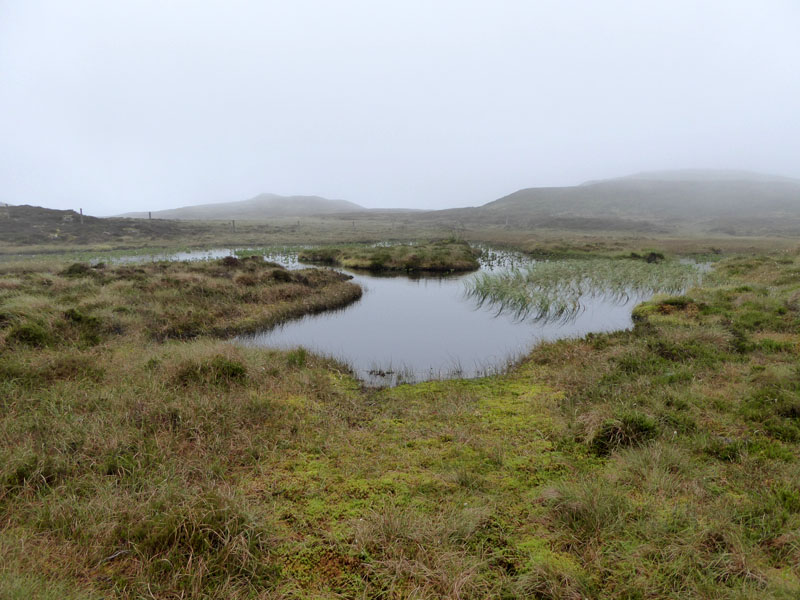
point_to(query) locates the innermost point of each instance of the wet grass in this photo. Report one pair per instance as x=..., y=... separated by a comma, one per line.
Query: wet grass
x=556, y=290
x=442, y=256
x=660, y=462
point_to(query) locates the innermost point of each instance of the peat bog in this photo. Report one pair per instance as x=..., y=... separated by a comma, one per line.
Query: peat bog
x=145, y=456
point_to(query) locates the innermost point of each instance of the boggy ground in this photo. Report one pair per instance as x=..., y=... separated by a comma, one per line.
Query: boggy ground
x=441, y=256
x=656, y=463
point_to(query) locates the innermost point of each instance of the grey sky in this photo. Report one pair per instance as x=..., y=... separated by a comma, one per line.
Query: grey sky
x=147, y=104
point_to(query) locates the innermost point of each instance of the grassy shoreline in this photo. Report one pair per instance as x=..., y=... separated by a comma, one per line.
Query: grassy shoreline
x=659, y=462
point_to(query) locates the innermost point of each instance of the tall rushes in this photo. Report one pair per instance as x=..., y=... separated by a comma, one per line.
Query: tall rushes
x=556, y=291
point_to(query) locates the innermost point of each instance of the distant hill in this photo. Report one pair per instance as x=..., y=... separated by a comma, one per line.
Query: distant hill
x=732, y=202
x=263, y=206
x=700, y=175
x=33, y=225
x=671, y=202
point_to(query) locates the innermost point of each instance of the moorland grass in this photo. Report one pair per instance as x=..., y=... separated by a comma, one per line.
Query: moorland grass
x=660, y=462
x=82, y=305
x=39, y=234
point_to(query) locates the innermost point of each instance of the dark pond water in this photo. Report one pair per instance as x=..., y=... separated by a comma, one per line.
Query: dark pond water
x=408, y=330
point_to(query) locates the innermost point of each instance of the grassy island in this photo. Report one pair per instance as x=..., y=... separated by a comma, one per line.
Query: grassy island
x=441, y=256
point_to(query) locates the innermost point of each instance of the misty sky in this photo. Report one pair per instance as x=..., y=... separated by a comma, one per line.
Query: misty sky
x=146, y=104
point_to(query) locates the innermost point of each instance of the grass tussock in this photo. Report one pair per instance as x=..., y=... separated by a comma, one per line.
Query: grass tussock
x=407, y=550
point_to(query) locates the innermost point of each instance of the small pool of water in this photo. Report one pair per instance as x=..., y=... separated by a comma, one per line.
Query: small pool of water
x=415, y=329
x=286, y=256
x=171, y=256
x=410, y=329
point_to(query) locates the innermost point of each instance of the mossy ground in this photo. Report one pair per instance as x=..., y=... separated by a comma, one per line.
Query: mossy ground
x=656, y=463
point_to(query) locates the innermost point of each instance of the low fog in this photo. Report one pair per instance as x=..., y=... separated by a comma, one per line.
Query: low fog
x=117, y=107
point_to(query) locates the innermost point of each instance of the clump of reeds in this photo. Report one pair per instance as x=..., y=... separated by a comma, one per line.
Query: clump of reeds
x=557, y=290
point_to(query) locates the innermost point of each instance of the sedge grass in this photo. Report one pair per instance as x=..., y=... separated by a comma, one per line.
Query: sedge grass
x=556, y=290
